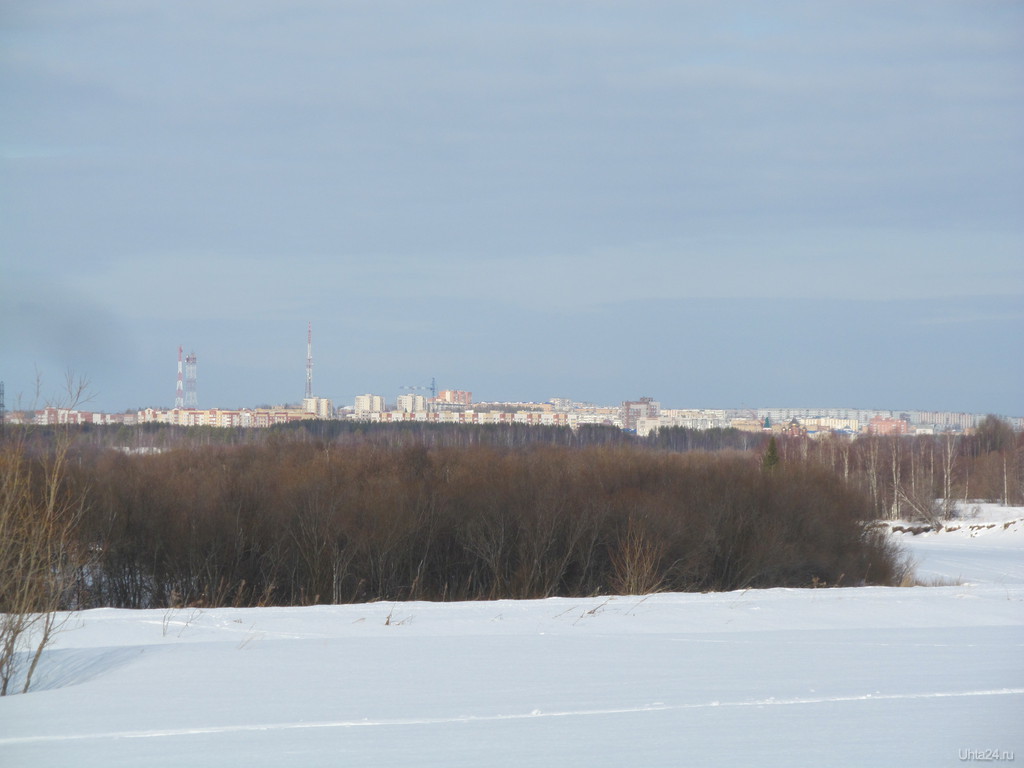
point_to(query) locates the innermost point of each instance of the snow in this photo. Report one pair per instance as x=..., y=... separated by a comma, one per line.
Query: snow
x=994, y=555
x=915, y=676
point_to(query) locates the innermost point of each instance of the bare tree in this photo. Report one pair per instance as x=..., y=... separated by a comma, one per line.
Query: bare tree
x=949, y=455
x=37, y=548
x=896, y=464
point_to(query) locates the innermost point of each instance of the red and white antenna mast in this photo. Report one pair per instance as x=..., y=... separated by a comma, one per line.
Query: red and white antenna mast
x=179, y=398
x=309, y=361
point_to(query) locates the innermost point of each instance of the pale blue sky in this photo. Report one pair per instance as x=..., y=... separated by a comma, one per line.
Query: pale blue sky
x=715, y=204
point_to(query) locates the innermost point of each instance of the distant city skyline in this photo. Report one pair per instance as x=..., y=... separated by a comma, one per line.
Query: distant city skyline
x=715, y=204
x=418, y=407
x=53, y=391
x=643, y=417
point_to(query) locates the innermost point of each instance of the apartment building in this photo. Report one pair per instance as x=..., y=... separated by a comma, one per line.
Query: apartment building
x=320, y=407
x=454, y=397
x=366, y=405
x=633, y=410
x=411, y=404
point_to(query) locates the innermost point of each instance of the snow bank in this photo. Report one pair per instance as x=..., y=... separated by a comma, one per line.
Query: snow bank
x=984, y=543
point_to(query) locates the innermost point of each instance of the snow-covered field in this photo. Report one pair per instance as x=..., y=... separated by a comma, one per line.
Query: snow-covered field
x=994, y=554
x=919, y=676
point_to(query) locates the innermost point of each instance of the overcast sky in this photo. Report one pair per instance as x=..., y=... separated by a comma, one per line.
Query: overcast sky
x=714, y=204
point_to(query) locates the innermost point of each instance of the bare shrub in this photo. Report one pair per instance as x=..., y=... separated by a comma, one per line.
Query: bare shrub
x=38, y=557
x=637, y=561
x=300, y=522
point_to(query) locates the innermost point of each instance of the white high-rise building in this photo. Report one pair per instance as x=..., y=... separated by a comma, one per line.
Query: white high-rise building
x=321, y=406
x=411, y=403
x=367, y=404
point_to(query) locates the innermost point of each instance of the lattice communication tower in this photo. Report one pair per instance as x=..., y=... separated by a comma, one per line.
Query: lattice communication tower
x=179, y=396
x=309, y=361
x=191, y=400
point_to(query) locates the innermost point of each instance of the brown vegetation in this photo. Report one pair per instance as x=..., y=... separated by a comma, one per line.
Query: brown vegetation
x=921, y=477
x=300, y=523
x=39, y=556
x=330, y=514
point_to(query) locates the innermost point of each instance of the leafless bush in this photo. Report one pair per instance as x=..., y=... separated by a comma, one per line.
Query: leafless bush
x=306, y=522
x=637, y=561
x=38, y=558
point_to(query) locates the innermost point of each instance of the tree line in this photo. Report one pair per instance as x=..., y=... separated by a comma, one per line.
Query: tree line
x=922, y=476
x=329, y=513
x=904, y=475
x=296, y=523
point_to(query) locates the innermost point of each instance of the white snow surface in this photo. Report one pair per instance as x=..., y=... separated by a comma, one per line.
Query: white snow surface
x=870, y=676
x=994, y=555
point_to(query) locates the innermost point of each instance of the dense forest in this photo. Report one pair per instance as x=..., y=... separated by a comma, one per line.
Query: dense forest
x=330, y=512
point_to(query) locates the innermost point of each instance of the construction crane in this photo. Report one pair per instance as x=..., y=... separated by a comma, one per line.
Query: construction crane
x=432, y=389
